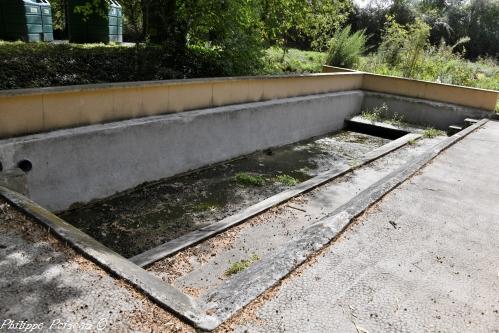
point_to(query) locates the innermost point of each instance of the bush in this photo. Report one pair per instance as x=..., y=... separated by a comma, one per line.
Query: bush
x=346, y=48
x=30, y=65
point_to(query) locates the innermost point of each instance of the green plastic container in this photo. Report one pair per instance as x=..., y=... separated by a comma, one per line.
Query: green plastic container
x=97, y=27
x=27, y=20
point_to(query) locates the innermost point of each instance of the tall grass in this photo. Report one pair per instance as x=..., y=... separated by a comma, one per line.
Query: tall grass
x=346, y=48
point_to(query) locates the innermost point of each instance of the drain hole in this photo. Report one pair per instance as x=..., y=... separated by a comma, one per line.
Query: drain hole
x=1, y=167
x=25, y=165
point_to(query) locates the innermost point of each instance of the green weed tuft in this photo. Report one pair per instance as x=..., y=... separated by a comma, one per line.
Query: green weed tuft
x=241, y=265
x=287, y=180
x=245, y=178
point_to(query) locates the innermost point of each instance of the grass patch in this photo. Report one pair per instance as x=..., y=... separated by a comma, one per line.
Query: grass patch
x=431, y=132
x=241, y=265
x=245, y=178
x=287, y=180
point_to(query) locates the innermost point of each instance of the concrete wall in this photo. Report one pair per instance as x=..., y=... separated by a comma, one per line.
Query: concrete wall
x=437, y=92
x=423, y=112
x=28, y=111
x=85, y=163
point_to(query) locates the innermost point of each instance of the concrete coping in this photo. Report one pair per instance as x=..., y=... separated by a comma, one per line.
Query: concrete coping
x=153, y=83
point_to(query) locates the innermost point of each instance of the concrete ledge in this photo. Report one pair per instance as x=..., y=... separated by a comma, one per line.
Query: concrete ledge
x=165, y=295
x=234, y=294
x=169, y=248
x=335, y=69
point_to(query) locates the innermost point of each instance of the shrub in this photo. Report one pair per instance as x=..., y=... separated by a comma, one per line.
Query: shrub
x=346, y=48
x=30, y=65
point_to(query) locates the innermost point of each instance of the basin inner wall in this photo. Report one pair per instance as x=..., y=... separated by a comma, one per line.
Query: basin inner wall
x=91, y=162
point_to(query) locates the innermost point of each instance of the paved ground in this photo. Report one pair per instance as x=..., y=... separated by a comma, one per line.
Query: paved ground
x=424, y=259
x=42, y=282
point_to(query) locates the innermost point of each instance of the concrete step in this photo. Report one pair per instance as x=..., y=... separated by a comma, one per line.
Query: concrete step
x=381, y=129
x=469, y=122
x=453, y=129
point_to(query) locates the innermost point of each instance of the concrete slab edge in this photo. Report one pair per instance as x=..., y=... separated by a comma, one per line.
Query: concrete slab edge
x=232, y=295
x=157, y=290
x=169, y=248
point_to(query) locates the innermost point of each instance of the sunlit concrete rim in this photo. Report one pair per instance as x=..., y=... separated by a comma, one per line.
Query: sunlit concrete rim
x=155, y=83
x=28, y=111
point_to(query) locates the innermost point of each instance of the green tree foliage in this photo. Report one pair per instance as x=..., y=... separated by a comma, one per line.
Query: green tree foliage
x=449, y=20
x=322, y=19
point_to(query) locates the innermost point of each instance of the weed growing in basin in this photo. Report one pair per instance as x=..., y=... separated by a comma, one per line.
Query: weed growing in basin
x=397, y=120
x=380, y=114
x=245, y=178
x=204, y=206
x=375, y=114
x=287, y=180
x=241, y=265
x=431, y=132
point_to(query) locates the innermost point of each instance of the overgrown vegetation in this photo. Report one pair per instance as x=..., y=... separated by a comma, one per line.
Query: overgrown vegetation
x=406, y=51
x=245, y=178
x=286, y=180
x=241, y=265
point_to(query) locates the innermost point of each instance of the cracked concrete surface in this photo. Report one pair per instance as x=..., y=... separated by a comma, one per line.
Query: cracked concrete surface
x=424, y=259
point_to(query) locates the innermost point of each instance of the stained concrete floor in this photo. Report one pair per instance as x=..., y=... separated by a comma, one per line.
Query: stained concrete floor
x=152, y=214
x=423, y=259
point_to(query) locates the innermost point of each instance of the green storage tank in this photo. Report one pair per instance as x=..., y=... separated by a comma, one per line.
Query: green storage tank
x=28, y=20
x=106, y=26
